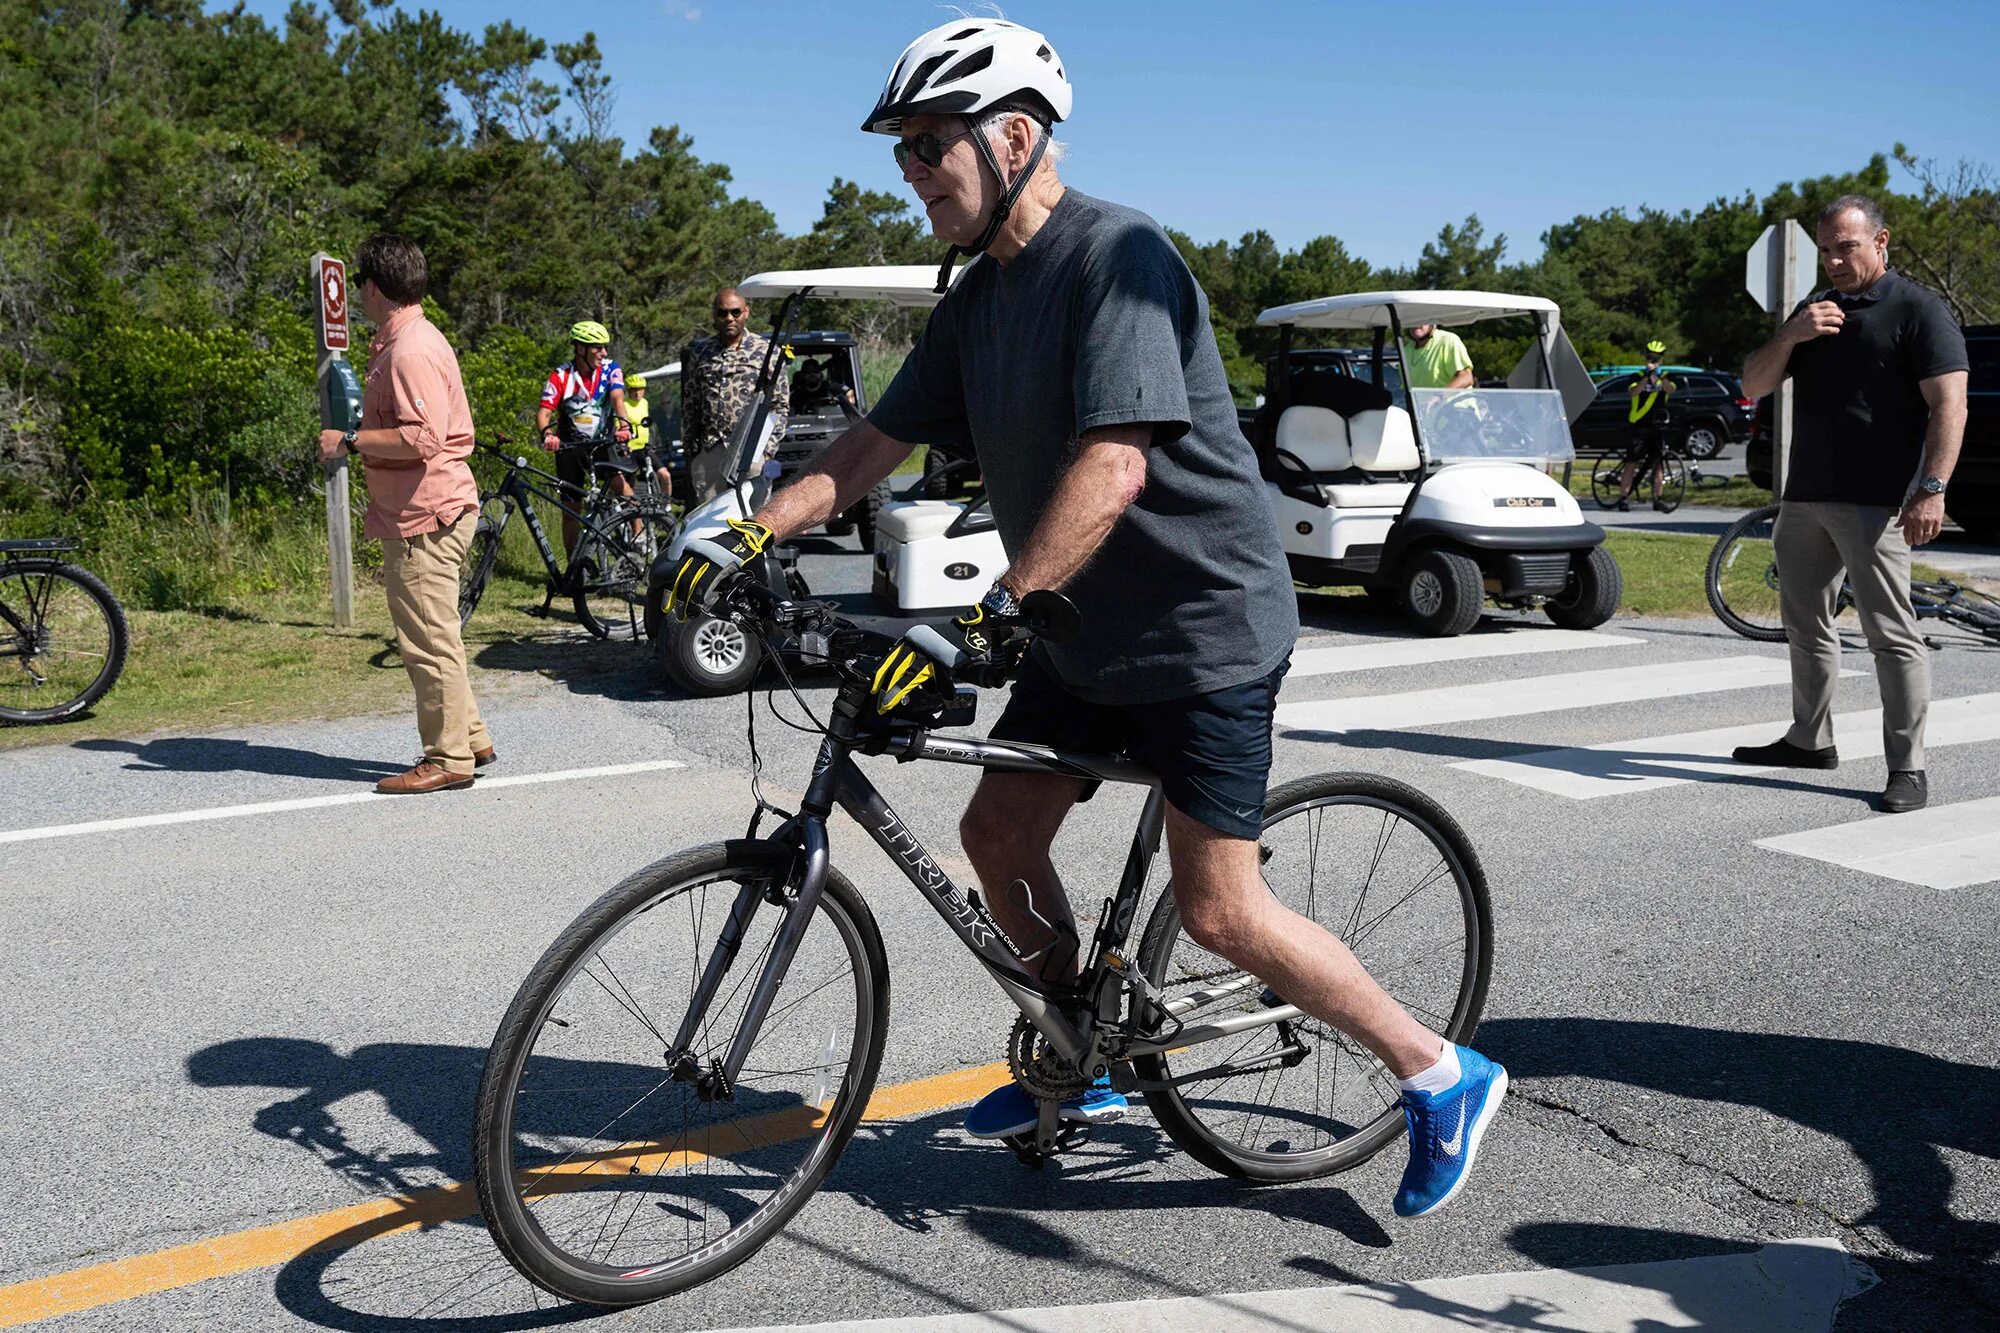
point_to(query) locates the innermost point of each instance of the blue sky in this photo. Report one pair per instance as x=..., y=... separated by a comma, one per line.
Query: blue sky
x=1375, y=122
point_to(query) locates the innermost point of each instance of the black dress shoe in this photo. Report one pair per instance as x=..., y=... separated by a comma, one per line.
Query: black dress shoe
x=1782, y=753
x=1907, y=790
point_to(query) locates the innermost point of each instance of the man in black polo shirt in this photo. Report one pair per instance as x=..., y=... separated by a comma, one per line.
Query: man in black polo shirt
x=1878, y=367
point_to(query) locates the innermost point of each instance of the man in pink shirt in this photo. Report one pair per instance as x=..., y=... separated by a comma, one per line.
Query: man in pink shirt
x=415, y=436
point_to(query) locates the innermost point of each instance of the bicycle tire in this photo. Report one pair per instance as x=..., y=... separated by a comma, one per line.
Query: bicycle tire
x=609, y=1271
x=1741, y=581
x=1972, y=610
x=485, y=554
x=1361, y=1126
x=1607, y=484
x=607, y=578
x=28, y=636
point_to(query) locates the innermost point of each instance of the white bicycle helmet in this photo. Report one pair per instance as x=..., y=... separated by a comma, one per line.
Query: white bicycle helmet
x=968, y=65
x=961, y=69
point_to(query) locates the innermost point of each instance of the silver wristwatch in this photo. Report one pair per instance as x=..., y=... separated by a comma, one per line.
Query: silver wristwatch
x=1001, y=601
x=1931, y=485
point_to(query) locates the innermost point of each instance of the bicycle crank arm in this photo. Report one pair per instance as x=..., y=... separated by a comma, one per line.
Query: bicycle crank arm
x=1215, y=1031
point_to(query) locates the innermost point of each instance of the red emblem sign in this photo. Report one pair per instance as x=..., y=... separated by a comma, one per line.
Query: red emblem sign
x=333, y=304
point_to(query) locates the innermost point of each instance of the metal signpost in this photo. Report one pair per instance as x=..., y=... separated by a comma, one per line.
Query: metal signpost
x=329, y=281
x=1779, y=271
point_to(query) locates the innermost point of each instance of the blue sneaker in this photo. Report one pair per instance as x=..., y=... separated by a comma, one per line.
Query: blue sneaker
x=1007, y=1111
x=1445, y=1130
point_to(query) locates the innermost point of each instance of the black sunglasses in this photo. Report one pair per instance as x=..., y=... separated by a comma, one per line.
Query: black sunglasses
x=927, y=148
x=730, y=310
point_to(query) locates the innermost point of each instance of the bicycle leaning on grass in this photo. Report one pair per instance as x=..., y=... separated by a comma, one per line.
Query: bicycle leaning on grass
x=617, y=537
x=1742, y=587
x=683, y=1066
x=63, y=636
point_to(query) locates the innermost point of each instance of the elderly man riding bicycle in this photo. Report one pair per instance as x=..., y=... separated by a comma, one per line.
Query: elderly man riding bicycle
x=1117, y=474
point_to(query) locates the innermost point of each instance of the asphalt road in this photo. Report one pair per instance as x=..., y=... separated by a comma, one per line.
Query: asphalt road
x=221, y=1029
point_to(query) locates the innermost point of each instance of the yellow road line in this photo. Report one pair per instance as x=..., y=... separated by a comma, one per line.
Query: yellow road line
x=343, y=1228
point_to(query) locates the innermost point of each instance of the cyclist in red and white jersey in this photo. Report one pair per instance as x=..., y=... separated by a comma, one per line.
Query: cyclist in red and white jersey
x=583, y=402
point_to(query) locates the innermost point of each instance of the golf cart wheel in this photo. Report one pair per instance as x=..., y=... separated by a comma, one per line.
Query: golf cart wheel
x=1704, y=440
x=706, y=656
x=1442, y=592
x=865, y=514
x=1591, y=596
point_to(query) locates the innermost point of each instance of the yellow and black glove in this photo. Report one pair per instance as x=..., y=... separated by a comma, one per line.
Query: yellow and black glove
x=923, y=660
x=708, y=565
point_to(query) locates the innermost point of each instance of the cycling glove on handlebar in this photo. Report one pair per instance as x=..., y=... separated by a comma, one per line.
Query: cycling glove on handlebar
x=928, y=654
x=707, y=565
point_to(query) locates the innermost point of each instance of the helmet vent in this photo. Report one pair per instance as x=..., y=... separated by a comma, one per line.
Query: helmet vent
x=972, y=64
x=961, y=36
x=921, y=76
x=1044, y=52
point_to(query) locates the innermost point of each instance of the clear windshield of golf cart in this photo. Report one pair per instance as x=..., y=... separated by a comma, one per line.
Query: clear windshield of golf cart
x=1522, y=425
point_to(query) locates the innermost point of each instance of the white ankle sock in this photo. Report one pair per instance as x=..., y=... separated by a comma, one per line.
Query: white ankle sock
x=1438, y=1078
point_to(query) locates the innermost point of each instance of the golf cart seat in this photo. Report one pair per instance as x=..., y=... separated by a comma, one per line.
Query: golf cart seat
x=1382, y=440
x=908, y=520
x=1339, y=453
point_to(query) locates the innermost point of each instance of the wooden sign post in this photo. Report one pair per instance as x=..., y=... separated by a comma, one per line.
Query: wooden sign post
x=329, y=281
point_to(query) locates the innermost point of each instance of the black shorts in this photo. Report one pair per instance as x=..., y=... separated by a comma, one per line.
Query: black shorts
x=1212, y=751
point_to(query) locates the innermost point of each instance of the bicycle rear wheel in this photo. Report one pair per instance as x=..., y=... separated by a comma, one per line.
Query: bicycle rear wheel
x=1742, y=578
x=608, y=577
x=1973, y=611
x=604, y=1174
x=63, y=640
x=1381, y=866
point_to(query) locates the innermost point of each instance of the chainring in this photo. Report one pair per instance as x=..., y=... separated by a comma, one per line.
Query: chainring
x=1038, y=1069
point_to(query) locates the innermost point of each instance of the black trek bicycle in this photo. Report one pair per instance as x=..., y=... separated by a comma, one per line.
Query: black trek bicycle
x=63, y=636
x=617, y=538
x=1742, y=587
x=684, y=1065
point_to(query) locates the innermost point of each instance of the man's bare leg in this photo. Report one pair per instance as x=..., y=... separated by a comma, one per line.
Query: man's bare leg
x=1006, y=832
x=1226, y=909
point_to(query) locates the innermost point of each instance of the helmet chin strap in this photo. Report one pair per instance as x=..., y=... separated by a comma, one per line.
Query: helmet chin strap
x=1001, y=210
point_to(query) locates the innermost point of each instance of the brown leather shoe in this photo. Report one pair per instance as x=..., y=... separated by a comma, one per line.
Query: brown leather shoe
x=426, y=776
x=481, y=758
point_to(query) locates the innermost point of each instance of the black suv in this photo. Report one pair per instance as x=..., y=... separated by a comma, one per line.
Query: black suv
x=1347, y=362
x=1709, y=413
x=1973, y=498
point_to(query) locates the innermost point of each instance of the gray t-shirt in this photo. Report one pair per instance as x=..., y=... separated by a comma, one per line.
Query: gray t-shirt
x=1098, y=322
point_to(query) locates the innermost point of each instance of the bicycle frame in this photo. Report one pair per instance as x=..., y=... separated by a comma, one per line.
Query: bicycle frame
x=1088, y=1040
x=518, y=490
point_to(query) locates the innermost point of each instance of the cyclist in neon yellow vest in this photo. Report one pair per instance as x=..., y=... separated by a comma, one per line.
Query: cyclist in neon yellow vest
x=1649, y=415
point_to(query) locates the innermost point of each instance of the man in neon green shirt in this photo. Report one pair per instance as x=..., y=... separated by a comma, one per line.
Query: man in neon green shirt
x=1435, y=358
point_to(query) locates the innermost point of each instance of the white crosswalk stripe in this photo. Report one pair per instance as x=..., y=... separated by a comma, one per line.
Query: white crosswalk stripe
x=1309, y=661
x=1619, y=768
x=1943, y=847
x=1533, y=694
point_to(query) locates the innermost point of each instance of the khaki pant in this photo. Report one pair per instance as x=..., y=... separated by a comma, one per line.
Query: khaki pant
x=421, y=574
x=1815, y=543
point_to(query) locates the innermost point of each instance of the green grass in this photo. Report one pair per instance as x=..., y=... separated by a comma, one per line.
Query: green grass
x=1715, y=492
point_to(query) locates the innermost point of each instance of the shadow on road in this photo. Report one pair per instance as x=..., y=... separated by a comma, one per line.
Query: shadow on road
x=1898, y=1111
x=202, y=754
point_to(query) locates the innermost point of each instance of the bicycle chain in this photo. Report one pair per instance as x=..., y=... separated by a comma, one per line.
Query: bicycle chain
x=1037, y=1068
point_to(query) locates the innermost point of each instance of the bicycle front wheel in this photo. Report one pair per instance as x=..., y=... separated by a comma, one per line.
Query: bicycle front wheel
x=1671, y=488
x=1383, y=868
x=1607, y=483
x=478, y=569
x=63, y=640
x=1742, y=580
x=609, y=1174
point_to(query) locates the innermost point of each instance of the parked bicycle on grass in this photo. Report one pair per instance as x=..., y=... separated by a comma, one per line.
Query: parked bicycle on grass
x=681, y=1070
x=63, y=636
x=604, y=569
x=1742, y=587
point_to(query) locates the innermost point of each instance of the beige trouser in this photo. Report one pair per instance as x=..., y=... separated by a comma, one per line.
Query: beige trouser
x=1816, y=542
x=421, y=574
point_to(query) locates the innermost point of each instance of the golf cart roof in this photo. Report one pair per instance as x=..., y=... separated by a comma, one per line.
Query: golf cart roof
x=1370, y=310
x=901, y=284
x=671, y=370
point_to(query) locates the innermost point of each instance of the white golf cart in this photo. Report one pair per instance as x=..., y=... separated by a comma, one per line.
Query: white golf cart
x=931, y=558
x=1438, y=501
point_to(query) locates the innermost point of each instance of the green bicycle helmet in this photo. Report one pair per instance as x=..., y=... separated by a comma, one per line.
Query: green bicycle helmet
x=590, y=333
x=1656, y=347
